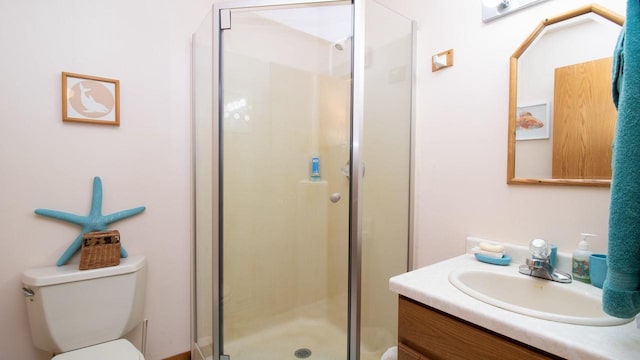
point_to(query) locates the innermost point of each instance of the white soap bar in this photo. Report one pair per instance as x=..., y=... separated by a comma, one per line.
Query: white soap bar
x=493, y=254
x=491, y=247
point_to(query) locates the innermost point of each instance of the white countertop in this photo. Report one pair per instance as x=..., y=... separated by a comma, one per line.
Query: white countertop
x=430, y=286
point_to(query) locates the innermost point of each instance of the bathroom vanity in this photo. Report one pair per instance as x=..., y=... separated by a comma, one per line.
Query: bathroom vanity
x=437, y=320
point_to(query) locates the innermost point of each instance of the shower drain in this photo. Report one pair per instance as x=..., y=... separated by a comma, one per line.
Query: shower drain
x=302, y=353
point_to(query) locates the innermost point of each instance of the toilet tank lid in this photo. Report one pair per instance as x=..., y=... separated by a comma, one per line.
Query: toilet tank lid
x=51, y=275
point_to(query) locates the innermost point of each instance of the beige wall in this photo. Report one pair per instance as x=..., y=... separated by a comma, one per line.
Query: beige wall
x=45, y=163
x=276, y=220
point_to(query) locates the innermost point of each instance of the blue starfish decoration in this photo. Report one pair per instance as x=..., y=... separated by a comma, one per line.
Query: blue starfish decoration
x=95, y=221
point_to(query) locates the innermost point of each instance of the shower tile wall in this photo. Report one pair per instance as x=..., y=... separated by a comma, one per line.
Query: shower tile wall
x=286, y=244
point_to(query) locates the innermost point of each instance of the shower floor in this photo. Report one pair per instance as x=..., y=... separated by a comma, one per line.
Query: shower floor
x=280, y=342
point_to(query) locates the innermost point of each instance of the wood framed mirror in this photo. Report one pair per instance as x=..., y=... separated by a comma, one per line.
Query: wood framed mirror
x=561, y=113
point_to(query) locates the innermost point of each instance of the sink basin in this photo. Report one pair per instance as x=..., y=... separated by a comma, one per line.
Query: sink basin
x=573, y=303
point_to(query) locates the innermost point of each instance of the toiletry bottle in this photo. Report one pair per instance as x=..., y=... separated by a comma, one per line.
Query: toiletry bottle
x=580, y=261
x=315, y=169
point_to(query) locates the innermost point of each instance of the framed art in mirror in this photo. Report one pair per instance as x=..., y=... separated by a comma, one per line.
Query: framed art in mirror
x=532, y=122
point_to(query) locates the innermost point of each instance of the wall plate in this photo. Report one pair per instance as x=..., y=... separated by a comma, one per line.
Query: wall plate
x=493, y=9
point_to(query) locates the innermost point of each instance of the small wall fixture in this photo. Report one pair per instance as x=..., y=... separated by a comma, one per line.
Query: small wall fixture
x=442, y=60
x=493, y=9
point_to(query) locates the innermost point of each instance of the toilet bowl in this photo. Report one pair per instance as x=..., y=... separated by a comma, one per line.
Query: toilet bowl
x=83, y=314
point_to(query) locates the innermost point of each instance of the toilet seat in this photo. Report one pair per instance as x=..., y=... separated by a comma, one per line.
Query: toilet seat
x=119, y=349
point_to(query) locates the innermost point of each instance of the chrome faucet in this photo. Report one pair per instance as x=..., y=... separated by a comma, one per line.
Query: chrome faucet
x=539, y=264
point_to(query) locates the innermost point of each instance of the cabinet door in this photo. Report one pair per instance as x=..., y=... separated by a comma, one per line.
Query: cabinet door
x=584, y=121
x=432, y=334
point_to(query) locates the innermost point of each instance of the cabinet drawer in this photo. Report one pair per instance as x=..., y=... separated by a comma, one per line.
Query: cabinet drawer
x=436, y=335
x=406, y=353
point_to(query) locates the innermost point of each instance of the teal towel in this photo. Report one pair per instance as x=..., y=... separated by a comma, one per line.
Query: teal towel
x=621, y=290
x=618, y=61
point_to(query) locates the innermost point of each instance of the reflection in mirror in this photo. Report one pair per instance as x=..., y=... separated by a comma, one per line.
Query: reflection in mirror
x=561, y=114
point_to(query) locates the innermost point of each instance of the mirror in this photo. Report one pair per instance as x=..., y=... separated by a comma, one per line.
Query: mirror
x=561, y=113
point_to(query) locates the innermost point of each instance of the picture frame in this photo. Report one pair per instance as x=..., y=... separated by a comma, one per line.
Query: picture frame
x=90, y=99
x=533, y=121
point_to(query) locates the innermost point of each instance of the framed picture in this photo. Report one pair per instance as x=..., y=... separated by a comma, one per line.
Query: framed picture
x=533, y=122
x=90, y=99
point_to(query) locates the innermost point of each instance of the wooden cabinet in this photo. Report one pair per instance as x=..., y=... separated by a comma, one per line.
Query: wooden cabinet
x=584, y=121
x=425, y=333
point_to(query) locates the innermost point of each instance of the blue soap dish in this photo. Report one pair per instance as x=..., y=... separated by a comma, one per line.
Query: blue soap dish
x=503, y=261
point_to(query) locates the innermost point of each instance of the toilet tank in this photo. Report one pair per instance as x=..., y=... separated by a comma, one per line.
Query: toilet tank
x=72, y=308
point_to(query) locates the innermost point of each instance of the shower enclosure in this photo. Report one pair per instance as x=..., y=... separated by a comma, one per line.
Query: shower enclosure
x=302, y=164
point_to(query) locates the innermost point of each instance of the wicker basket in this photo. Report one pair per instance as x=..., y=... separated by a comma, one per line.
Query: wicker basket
x=100, y=249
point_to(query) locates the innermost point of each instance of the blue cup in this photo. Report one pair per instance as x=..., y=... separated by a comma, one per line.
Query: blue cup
x=598, y=269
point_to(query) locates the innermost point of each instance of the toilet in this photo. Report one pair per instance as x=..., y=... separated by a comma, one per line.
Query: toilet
x=82, y=314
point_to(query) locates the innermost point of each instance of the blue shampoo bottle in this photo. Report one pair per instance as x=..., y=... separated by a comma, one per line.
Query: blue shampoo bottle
x=315, y=168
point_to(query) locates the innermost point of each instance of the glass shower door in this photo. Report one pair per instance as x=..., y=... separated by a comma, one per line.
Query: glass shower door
x=286, y=85
x=386, y=188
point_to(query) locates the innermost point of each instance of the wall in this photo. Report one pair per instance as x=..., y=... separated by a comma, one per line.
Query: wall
x=461, y=137
x=46, y=163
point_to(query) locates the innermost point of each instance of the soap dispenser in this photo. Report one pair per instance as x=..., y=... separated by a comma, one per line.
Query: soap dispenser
x=580, y=261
